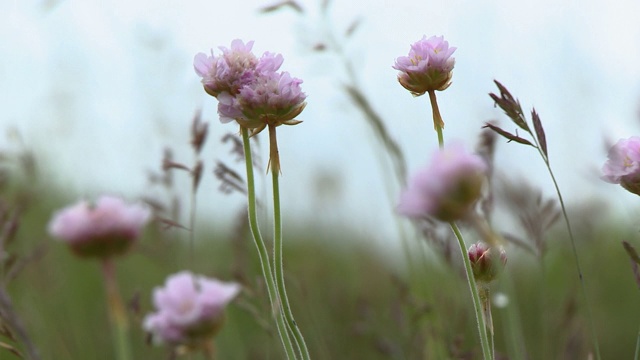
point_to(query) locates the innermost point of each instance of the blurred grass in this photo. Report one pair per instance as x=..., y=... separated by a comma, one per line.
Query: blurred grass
x=351, y=300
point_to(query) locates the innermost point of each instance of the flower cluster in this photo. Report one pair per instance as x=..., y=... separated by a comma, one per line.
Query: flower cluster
x=428, y=67
x=108, y=227
x=250, y=90
x=446, y=189
x=623, y=165
x=190, y=309
x=486, y=261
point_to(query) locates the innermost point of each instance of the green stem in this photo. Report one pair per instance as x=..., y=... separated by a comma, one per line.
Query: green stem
x=485, y=298
x=438, y=124
x=583, y=287
x=278, y=258
x=477, y=305
x=262, y=249
x=117, y=312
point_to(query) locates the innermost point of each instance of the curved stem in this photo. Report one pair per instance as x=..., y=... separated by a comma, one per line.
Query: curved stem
x=574, y=249
x=477, y=305
x=438, y=124
x=117, y=312
x=262, y=249
x=278, y=258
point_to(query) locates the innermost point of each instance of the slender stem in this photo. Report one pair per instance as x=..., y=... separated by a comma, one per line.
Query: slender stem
x=438, y=124
x=477, y=305
x=192, y=225
x=583, y=287
x=117, y=312
x=262, y=249
x=278, y=264
x=10, y=317
x=485, y=297
x=209, y=351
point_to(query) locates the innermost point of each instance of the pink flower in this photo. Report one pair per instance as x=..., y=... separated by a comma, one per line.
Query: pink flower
x=623, y=165
x=233, y=69
x=190, y=309
x=486, y=262
x=250, y=90
x=428, y=67
x=272, y=98
x=446, y=189
x=108, y=227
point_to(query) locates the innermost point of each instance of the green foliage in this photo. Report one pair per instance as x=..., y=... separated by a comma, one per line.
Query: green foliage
x=352, y=301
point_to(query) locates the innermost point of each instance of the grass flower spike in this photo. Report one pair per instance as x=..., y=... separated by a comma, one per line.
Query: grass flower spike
x=623, y=166
x=190, y=309
x=428, y=67
x=108, y=227
x=446, y=189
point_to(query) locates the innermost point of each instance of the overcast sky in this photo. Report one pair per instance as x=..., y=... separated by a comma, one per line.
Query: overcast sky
x=98, y=88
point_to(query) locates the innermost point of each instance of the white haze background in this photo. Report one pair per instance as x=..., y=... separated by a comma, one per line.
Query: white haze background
x=99, y=88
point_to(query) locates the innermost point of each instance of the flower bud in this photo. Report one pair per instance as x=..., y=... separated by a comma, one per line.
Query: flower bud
x=428, y=67
x=486, y=261
x=104, y=229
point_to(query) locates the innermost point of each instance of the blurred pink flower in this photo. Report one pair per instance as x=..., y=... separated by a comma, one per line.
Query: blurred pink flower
x=486, y=262
x=428, y=67
x=446, y=189
x=623, y=165
x=190, y=309
x=108, y=227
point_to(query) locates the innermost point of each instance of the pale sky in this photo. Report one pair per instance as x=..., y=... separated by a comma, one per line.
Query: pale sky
x=98, y=88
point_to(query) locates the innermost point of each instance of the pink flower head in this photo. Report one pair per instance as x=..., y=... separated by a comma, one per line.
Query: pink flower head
x=446, y=189
x=486, y=261
x=623, y=165
x=233, y=69
x=428, y=67
x=190, y=309
x=272, y=98
x=108, y=227
x=250, y=90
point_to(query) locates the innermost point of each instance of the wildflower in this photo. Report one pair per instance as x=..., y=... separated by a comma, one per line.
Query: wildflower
x=190, y=309
x=486, y=261
x=271, y=99
x=446, y=189
x=428, y=67
x=108, y=227
x=623, y=165
x=236, y=67
x=251, y=91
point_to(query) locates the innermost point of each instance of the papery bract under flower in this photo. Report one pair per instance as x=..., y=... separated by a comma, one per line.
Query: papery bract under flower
x=428, y=67
x=623, y=165
x=447, y=188
x=108, y=227
x=189, y=309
